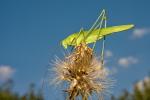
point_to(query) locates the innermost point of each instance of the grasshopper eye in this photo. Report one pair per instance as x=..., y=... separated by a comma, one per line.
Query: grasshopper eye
x=64, y=44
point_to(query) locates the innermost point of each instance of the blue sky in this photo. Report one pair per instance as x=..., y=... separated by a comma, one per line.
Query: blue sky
x=31, y=31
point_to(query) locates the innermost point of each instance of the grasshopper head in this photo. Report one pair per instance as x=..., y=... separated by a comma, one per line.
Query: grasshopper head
x=64, y=44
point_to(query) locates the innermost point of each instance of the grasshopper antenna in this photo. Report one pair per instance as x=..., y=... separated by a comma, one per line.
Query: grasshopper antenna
x=104, y=18
x=103, y=47
x=96, y=23
x=102, y=52
x=100, y=26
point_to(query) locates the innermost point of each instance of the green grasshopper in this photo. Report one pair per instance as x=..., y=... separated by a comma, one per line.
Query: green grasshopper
x=93, y=36
x=95, y=33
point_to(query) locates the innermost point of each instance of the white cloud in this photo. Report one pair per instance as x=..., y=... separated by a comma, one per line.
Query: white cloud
x=6, y=72
x=108, y=54
x=140, y=84
x=127, y=61
x=140, y=32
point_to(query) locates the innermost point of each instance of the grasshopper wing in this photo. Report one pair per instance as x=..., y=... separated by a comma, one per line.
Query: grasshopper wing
x=100, y=33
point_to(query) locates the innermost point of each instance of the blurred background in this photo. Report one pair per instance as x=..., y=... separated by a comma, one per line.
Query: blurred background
x=30, y=35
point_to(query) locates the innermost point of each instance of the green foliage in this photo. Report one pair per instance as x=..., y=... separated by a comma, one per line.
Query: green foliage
x=6, y=93
x=140, y=92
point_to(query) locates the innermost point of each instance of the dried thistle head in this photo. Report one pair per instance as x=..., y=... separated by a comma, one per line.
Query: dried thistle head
x=83, y=71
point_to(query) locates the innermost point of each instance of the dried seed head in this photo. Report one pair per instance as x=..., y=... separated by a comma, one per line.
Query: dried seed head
x=83, y=71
